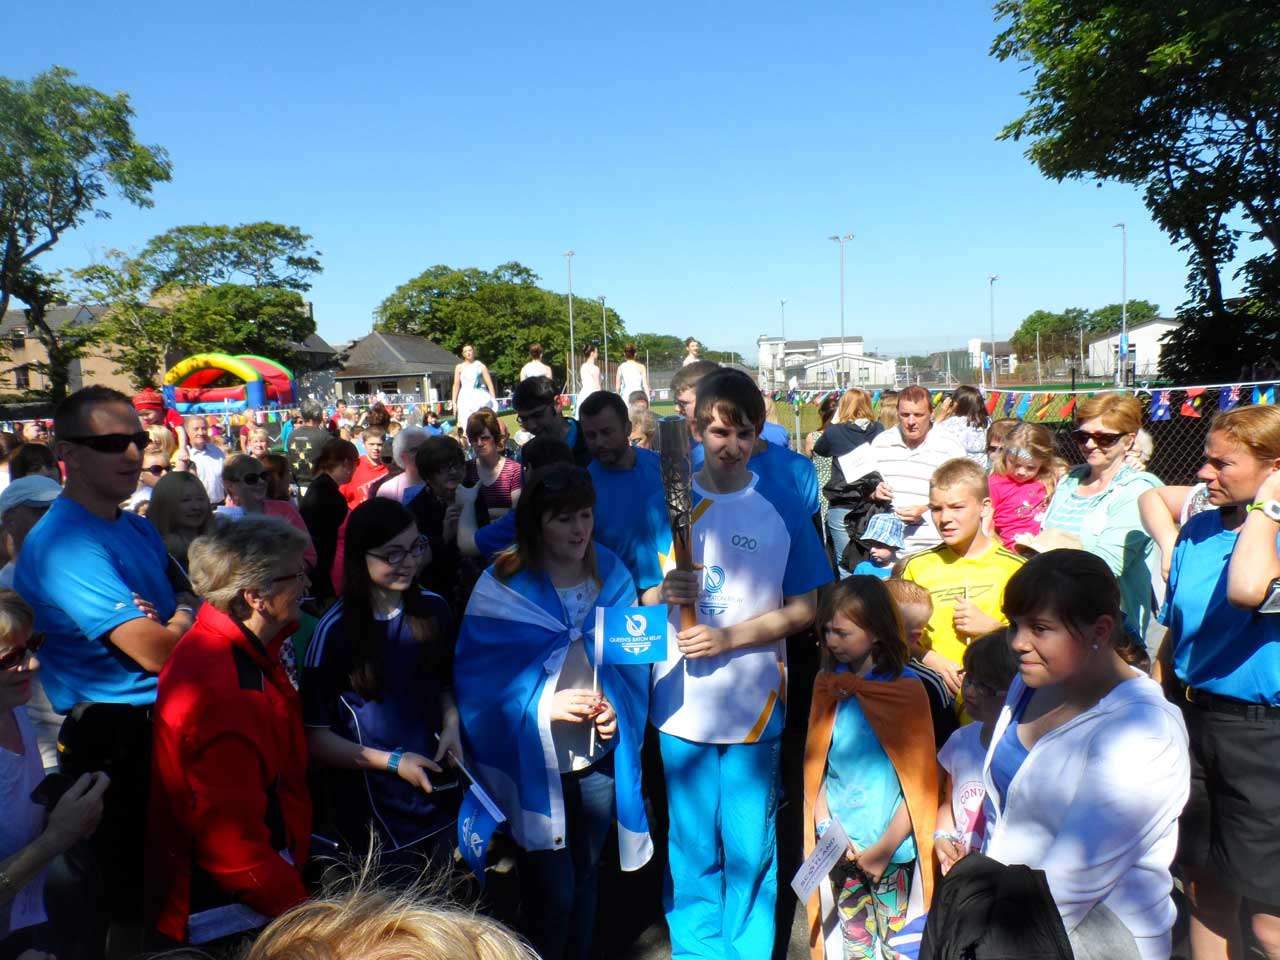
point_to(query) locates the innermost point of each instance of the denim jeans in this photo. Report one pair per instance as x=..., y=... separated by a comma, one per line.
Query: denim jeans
x=558, y=887
x=839, y=535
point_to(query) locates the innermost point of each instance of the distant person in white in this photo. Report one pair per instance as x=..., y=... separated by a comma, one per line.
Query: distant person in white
x=632, y=377
x=535, y=367
x=472, y=385
x=206, y=459
x=692, y=348
x=906, y=457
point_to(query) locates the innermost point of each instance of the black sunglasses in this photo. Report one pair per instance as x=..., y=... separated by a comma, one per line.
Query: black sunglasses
x=567, y=478
x=156, y=470
x=253, y=479
x=112, y=442
x=19, y=655
x=1102, y=440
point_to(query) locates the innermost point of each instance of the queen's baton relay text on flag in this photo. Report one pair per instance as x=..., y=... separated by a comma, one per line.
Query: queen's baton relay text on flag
x=632, y=634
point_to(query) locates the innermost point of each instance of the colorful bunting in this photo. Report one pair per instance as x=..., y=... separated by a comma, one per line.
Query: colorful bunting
x=1229, y=398
x=1067, y=407
x=1264, y=396
x=1191, y=406
x=1160, y=406
x=1023, y=406
x=992, y=399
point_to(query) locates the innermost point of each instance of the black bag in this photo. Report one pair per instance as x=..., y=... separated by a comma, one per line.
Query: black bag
x=114, y=738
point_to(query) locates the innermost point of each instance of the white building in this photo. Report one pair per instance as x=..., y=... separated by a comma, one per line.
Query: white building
x=1144, y=349
x=821, y=363
x=1006, y=359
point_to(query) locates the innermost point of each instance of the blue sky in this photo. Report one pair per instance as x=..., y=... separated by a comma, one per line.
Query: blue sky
x=695, y=156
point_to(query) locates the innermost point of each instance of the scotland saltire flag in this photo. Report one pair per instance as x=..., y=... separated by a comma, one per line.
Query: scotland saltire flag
x=1160, y=406
x=632, y=634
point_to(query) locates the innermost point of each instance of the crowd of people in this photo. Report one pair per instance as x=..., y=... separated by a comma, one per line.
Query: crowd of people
x=227, y=659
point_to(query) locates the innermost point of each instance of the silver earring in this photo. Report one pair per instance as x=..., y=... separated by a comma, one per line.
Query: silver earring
x=1095, y=646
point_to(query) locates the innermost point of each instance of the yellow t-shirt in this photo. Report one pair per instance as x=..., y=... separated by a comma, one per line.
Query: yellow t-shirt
x=949, y=578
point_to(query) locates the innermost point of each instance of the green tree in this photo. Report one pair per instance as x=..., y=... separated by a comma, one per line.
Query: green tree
x=501, y=311
x=63, y=148
x=1060, y=332
x=179, y=296
x=1183, y=104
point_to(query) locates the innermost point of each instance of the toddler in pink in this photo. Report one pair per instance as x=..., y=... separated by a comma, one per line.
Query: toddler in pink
x=1021, y=483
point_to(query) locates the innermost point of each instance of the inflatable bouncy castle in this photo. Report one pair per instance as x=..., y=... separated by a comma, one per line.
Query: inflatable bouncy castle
x=220, y=383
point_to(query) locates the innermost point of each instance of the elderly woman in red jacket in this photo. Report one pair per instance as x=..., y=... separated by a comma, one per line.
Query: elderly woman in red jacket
x=230, y=815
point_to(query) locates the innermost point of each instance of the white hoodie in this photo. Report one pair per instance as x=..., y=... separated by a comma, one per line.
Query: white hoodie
x=1095, y=805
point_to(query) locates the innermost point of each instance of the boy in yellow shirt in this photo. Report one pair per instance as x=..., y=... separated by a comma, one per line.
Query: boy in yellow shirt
x=965, y=574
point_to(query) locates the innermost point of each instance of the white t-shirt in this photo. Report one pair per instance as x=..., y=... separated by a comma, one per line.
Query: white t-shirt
x=534, y=368
x=208, y=466
x=907, y=470
x=962, y=756
x=753, y=552
x=573, y=740
x=21, y=823
x=631, y=378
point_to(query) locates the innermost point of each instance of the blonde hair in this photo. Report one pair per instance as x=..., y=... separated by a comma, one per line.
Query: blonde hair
x=168, y=490
x=374, y=923
x=646, y=423
x=1257, y=429
x=908, y=593
x=888, y=410
x=162, y=437
x=1117, y=411
x=1028, y=441
x=855, y=404
x=963, y=473
x=16, y=616
x=246, y=555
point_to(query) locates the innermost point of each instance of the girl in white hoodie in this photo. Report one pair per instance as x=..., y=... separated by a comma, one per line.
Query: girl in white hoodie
x=1087, y=770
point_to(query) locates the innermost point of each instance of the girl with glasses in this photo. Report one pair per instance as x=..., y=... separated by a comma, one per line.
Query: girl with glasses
x=378, y=701
x=246, y=480
x=1098, y=500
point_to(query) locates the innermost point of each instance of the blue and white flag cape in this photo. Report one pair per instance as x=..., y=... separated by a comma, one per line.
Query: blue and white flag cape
x=511, y=647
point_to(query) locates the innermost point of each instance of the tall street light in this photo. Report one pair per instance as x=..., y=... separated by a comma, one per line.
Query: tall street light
x=1124, y=303
x=604, y=331
x=782, y=360
x=991, y=283
x=842, y=240
x=573, y=367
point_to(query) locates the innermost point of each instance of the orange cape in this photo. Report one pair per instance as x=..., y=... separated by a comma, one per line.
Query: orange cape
x=898, y=711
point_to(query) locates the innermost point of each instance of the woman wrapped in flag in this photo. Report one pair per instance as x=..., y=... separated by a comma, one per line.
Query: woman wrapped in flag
x=551, y=735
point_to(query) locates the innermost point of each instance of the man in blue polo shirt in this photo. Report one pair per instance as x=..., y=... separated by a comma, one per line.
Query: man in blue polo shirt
x=631, y=508
x=99, y=580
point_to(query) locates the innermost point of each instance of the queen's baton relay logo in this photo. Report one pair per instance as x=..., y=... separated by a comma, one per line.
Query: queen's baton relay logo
x=635, y=634
x=712, y=603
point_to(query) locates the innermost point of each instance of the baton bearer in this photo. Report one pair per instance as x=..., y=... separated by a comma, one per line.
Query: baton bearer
x=677, y=481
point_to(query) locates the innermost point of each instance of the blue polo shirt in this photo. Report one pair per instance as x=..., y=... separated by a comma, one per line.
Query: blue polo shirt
x=782, y=473
x=631, y=516
x=1218, y=648
x=79, y=573
x=493, y=538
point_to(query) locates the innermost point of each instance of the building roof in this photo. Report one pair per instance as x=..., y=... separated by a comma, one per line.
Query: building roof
x=862, y=359
x=1169, y=321
x=16, y=318
x=313, y=344
x=396, y=355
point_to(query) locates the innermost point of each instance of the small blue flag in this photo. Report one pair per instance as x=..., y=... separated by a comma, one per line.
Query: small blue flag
x=1264, y=396
x=632, y=634
x=1023, y=406
x=1229, y=398
x=1160, y=406
x=476, y=826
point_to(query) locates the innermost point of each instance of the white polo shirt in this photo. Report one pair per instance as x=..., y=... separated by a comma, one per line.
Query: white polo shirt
x=908, y=471
x=208, y=467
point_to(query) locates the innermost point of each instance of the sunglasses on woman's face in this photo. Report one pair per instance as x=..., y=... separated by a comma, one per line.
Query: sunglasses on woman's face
x=18, y=656
x=156, y=470
x=1100, y=440
x=112, y=442
x=253, y=479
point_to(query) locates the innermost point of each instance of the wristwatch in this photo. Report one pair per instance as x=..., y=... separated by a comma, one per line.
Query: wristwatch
x=1270, y=508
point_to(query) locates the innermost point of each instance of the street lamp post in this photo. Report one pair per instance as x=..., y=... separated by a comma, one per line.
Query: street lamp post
x=782, y=359
x=573, y=367
x=1124, y=303
x=840, y=368
x=604, y=331
x=991, y=283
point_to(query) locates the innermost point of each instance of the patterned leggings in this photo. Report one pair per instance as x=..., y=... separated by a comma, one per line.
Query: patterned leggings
x=866, y=914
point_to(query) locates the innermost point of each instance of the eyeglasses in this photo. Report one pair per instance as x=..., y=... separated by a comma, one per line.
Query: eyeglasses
x=976, y=686
x=253, y=479
x=300, y=576
x=534, y=414
x=397, y=555
x=19, y=655
x=112, y=442
x=994, y=448
x=566, y=478
x=1100, y=440
x=156, y=470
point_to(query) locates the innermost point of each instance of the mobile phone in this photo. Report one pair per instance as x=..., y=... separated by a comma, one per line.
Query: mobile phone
x=1271, y=602
x=50, y=790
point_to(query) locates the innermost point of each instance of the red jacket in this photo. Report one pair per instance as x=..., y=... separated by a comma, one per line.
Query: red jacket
x=229, y=794
x=357, y=489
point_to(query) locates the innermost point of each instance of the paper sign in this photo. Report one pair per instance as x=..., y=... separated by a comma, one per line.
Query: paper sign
x=858, y=462
x=632, y=634
x=826, y=854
